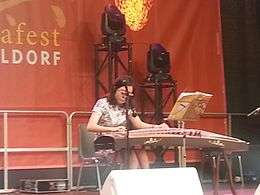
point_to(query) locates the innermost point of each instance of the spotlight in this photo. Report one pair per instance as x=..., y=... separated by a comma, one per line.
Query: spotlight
x=113, y=26
x=158, y=62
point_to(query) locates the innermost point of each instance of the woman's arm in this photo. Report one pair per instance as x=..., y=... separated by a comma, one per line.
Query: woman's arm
x=93, y=124
x=139, y=124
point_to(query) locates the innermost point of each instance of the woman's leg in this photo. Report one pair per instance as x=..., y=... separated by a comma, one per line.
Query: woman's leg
x=133, y=160
x=143, y=159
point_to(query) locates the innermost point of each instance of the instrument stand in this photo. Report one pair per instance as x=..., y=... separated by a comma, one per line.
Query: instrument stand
x=227, y=158
x=216, y=156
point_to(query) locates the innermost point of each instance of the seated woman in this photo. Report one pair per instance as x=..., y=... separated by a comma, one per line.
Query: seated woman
x=109, y=115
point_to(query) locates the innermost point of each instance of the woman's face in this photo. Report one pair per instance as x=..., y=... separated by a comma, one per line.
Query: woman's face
x=121, y=94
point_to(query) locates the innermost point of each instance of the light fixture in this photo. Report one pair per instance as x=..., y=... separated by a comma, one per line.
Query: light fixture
x=158, y=62
x=113, y=26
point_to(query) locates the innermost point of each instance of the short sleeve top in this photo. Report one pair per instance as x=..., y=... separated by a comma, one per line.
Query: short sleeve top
x=111, y=115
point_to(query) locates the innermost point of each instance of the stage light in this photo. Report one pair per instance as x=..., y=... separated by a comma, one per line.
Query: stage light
x=113, y=26
x=158, y=59
x=158, y=63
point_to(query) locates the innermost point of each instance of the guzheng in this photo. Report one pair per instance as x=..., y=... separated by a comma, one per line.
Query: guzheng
x=194, y=138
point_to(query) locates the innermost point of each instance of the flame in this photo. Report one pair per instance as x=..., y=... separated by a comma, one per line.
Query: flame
x=135, y=11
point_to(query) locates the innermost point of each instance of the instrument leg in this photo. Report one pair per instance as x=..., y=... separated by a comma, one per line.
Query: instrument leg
x=214, y=176
x=229, y=168
x=241, y=171
x=184, y=151
x=217, y=170
x=180, y=156
x=184, y=157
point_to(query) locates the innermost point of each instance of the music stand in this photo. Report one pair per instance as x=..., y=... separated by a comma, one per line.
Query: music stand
x=188, y=107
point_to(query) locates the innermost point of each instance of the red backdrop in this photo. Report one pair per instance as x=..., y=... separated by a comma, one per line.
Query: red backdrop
x=46, y=62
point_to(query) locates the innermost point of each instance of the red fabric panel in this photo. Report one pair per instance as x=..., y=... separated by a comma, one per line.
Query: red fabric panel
x=36, y=160
x=36, y=132
x=189, y=30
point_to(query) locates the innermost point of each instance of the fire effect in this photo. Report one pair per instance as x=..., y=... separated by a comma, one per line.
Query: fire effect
x=135, y=11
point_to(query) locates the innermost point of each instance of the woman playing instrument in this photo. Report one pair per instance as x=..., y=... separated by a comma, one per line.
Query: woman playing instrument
x=109, y=115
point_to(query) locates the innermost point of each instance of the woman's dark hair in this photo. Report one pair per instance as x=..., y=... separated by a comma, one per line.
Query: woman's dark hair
x=121, y=81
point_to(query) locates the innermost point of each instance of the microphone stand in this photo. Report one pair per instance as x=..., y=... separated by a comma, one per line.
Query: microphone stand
x=254, y=112
x=127, y=108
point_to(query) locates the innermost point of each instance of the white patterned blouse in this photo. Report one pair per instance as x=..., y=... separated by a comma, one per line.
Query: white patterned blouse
x=111, y=115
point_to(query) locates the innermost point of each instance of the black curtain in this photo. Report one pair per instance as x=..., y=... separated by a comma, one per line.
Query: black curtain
x=241, y=51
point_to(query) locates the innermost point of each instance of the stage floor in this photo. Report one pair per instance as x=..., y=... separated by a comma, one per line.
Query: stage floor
x=207, y=189
x=224, y=189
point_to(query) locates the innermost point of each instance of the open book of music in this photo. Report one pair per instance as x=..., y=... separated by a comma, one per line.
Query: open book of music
x=189, y=106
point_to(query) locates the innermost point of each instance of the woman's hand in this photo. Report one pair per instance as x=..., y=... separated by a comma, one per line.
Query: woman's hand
x=119, y=129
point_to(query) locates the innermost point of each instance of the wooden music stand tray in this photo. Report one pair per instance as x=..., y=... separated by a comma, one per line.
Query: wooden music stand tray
x=189, y=106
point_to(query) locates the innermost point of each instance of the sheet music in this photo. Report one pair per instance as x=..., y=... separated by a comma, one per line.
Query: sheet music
x=189, y=106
